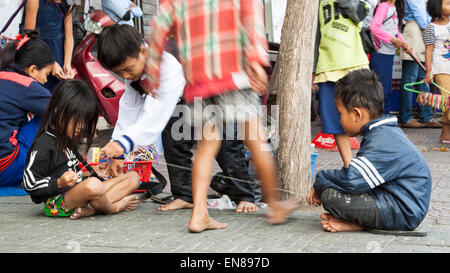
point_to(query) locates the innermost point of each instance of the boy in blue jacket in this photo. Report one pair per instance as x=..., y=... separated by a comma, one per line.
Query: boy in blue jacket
x=388, y=183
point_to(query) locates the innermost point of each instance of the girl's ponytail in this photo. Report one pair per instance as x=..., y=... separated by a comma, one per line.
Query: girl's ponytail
x=33, y=51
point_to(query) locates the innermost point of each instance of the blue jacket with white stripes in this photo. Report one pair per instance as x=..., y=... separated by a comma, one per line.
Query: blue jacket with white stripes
x=391, y=169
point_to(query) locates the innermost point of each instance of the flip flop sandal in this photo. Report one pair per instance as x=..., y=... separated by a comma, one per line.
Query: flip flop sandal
x=415, y=233
x=162, y=198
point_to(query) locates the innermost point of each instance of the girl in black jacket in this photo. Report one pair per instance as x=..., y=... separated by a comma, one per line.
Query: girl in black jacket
x=52, y=173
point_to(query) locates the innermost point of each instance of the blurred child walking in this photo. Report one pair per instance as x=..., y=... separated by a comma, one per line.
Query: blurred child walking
x=223, y=51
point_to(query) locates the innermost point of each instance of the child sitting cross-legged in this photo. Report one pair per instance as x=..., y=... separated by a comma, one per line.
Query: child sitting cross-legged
x=52, y=174
x=388, y=184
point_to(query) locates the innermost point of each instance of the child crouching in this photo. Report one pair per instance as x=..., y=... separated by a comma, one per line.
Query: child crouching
x=52, y=174
x=388, y=183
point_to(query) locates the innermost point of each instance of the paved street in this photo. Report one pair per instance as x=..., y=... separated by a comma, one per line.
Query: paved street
x=24, y=228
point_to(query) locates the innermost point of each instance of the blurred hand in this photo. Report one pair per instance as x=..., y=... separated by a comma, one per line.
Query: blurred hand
x=258, y=78
x=116, y=167
x=68, y=179
x=396, y=42
x=112, y=149
x=314, y=86
x=102, y=170
x=408, y=49
x=313, y=198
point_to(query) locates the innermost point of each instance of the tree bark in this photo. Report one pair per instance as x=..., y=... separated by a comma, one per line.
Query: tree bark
x=296, y=57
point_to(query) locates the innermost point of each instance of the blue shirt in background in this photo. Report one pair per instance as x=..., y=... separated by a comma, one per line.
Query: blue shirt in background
x=116, y=9
x=416, y=10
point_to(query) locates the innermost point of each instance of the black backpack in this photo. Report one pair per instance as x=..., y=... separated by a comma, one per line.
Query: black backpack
x=357, y=10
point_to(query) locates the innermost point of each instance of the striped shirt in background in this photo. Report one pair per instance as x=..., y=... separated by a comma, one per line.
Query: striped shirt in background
x=439, y=36
x=215, y=40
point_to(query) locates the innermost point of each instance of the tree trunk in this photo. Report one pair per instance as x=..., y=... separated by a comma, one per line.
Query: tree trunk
x=296, y=57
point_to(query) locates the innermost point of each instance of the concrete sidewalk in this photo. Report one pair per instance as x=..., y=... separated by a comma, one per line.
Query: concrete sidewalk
x=24, y=228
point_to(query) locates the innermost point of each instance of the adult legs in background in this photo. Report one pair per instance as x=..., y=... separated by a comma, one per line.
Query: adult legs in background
x=382, y=65
x=410, y=74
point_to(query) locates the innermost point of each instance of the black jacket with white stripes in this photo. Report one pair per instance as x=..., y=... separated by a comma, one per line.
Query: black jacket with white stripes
x=44, y=165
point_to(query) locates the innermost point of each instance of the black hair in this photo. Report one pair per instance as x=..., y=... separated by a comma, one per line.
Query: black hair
x=116, y=43
x=71, y=100
x=361, y=88
x=400, y=7
x=34, y=52
x=434, y=8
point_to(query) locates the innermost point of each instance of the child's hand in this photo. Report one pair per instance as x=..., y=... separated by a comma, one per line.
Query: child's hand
x=116, y=167
x=102, y=170
x=428, y=78
x=112, y=149
x=68, y=179
x=68, y=71
x=314, y=86
x=313, y=198
x=396, y=42
x=58, y=72
x=258, y=77
x=408, y=49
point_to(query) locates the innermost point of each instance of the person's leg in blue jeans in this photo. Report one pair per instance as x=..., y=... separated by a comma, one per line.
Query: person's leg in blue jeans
x=411, y=72
x=382, y=65
x=426, y=112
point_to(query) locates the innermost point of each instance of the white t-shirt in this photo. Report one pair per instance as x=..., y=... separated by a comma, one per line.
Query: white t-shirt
x=143, y=118
x=439, y=36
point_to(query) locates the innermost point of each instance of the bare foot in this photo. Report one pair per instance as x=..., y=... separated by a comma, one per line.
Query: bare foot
x=245, y=206
x=280, y=210
x=201, y=223
x=175, y=205
x=129, y=202
x=334, y=224
x=82, y=212
x=133, y=203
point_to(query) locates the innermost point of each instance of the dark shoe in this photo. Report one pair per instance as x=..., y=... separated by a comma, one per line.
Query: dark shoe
x=432, y=124
x=413, y=124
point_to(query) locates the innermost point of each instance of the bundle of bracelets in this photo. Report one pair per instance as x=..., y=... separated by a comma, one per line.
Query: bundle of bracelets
x=147, y=153
x=437, y=101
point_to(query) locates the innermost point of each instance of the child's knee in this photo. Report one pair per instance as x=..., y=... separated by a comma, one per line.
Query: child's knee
x=330, y=198
x=134, y=179
x=94, y=187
